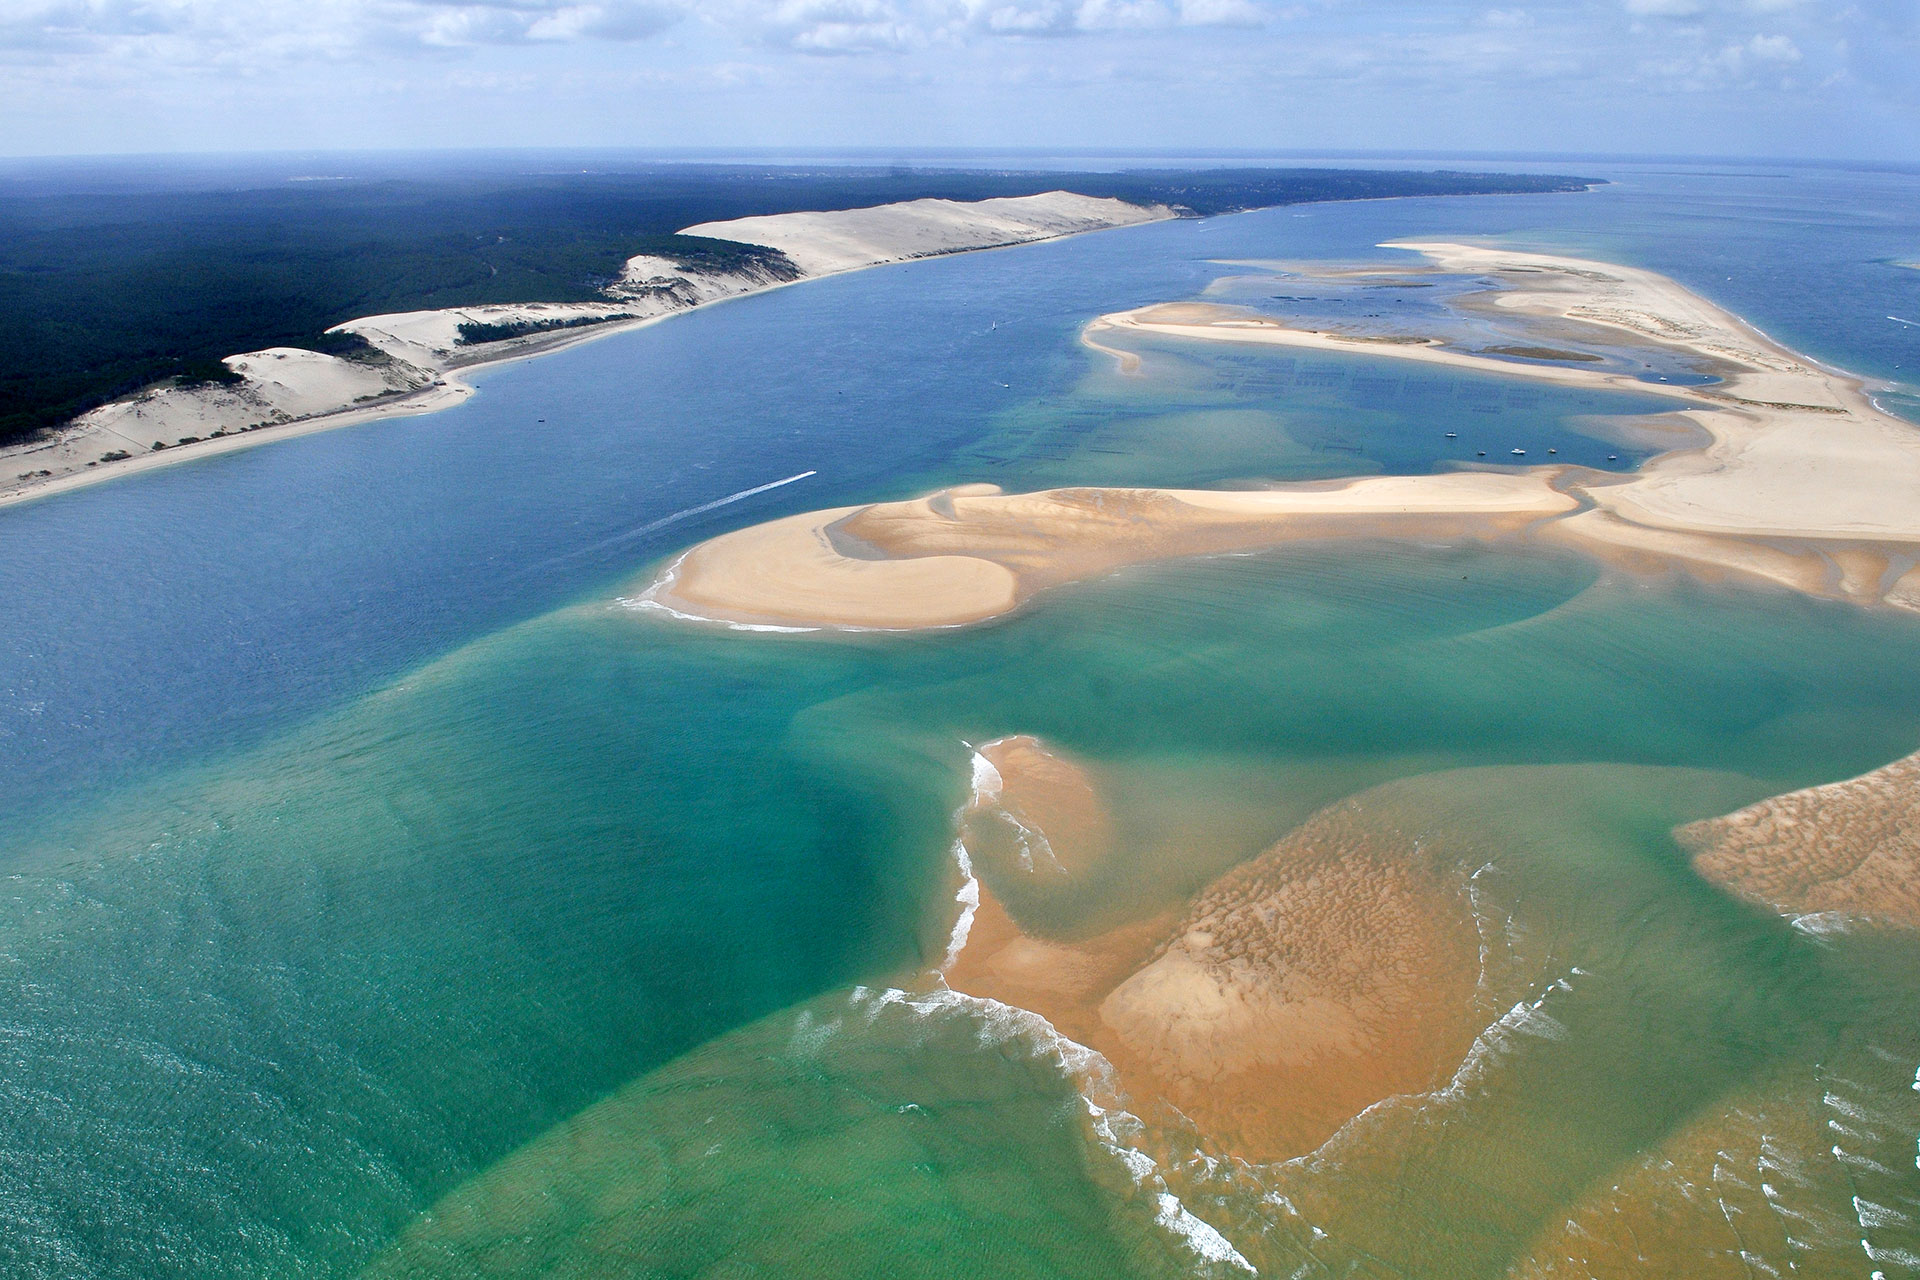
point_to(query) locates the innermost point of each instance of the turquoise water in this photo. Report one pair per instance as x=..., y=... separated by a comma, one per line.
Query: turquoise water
x=366, y=858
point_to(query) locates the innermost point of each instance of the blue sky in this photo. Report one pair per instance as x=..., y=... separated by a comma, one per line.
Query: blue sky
x=1795, y=78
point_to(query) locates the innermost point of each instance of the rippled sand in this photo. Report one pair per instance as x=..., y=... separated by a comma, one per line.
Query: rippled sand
x=1728, y=1197
x=1340, y=1013
x=1336, y=969
x=1850, y=847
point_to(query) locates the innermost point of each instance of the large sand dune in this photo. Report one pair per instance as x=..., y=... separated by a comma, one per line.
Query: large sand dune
x=845, y=240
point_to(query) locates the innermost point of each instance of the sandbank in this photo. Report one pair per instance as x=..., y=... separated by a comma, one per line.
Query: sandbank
x=1802, y=480
x=1340, y=967
x=1850, y=848
x=971, y=553
x=1725, y=1197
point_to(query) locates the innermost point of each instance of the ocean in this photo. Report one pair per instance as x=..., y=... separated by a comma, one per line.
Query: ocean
x=385, y=896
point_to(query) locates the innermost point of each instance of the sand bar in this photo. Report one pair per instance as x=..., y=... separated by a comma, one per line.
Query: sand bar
x=1848, y=848
x=1338, y=968
x=1804, y=481
x=972, y=553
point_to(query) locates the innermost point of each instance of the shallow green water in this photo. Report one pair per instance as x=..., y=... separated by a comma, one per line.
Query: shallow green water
x=537, y=870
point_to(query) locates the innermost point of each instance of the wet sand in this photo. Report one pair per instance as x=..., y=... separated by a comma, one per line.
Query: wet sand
x=1798, y=455
x=1850, y=848
x=1336, y=969
x=1716, y=1197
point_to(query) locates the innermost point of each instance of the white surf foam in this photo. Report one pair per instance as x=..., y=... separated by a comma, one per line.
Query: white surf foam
x=968, y=898
x=1821, y=924
x=1115, y=1130
x=987, y=781
x=1527, y=1018
x=985, y=788
x=649, y=600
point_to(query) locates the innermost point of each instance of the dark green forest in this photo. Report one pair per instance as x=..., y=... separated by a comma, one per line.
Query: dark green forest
x=106, y=289
x=478, y=331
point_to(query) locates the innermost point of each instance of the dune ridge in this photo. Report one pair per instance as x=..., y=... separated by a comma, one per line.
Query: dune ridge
x=413, y=359
x=849, y=239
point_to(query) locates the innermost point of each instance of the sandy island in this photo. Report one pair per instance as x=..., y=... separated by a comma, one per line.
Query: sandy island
x=413, y=360
x=971, y=553
x=1304, y=1007
x=1804, y=481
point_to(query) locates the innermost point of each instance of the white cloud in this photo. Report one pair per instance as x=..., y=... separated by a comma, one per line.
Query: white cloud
x=834, y=26
x=618, y=21
x=1123, y=15
x=1695, y=8
x=1509, y=18
x=199, y=30
x=456, y=22
x=1606, y=74
x=1221, y=13
x=872, y=26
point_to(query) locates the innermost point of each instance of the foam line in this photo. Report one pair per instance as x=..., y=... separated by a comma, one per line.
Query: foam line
x=655, y=525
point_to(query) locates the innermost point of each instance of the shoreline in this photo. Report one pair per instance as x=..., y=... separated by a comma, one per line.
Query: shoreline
x=1023, y=220
x=1802, y=480
x=448, y=390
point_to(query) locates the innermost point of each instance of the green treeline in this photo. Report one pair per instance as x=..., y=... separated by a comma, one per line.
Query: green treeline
x=475, y=331
x=106, y=291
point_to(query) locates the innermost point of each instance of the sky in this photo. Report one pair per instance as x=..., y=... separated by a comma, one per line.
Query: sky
x=1771, y=78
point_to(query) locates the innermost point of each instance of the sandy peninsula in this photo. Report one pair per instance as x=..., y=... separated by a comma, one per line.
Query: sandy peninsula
x=413, y=361
x=1804, y=481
